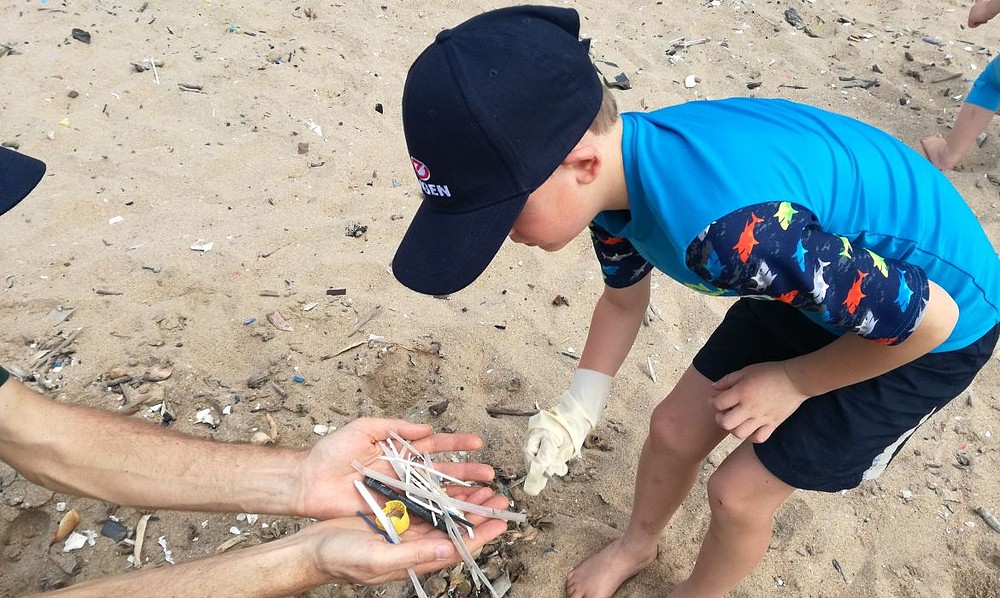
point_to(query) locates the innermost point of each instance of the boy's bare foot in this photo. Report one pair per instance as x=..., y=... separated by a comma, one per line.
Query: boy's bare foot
x=936, y=150
x=600, y=575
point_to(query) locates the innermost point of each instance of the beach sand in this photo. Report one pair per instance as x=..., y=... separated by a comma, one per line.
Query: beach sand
x=272, y=131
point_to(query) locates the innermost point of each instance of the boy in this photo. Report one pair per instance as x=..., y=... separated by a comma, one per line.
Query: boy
x=979, y=108
x=869, y=288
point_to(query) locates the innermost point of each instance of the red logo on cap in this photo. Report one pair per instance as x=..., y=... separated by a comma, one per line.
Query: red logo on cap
x=423, y=173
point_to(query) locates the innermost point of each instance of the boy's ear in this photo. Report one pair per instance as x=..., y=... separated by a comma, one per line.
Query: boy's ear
x=584, y=161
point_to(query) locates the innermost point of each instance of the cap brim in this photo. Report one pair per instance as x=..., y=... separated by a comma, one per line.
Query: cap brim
x=18, y=176
x=442, y=253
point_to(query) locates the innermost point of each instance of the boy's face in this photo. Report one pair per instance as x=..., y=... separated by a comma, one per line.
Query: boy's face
x=554, y=215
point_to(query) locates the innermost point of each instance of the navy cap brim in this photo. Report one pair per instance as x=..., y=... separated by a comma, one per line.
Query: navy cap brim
x=19, y=174
x=442, y=253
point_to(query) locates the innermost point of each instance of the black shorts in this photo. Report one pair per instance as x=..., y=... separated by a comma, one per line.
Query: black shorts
x=837, y=440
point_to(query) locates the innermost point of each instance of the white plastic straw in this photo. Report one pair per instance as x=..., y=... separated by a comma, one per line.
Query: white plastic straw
x=389, y=529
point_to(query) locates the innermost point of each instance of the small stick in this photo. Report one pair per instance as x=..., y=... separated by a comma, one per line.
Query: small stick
x=344, y=350
x=55, y=350
x=988, y=518
x=836, y=565
x=364, y=320
x=649, y=366
x=655, y=310
x=229, y=544
x=495, y=411
x=117, y=381
x=140, y=533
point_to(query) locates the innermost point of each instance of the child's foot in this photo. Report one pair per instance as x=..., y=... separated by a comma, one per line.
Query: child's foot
x=600, y=575
x=936, y=150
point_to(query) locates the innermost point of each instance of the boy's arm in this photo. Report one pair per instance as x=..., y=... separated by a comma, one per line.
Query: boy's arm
x=614, y=326
x=555, y=435
x=852, y=359
x=983, y=11
x=753, y=401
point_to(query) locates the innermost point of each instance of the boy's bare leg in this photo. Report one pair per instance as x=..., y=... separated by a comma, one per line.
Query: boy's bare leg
x=947, y=153
x=682, y=433
x=744, y=497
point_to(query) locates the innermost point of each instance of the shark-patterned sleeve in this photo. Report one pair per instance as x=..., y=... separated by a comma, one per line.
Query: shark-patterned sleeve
x=778, y=250
x=621, y=264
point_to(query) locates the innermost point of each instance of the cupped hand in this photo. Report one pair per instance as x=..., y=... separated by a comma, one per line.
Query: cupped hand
x=346, y=549
x=327, y=476
x=753, y=401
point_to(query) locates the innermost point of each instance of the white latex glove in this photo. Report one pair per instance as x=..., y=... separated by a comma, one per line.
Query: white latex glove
x=556, y=435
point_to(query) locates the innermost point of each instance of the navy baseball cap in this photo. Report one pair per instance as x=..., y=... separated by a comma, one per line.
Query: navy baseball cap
x=490, y=109
x=18, y=176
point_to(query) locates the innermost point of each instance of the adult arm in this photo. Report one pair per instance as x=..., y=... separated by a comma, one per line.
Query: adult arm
x=336, y=550
x=89, y=452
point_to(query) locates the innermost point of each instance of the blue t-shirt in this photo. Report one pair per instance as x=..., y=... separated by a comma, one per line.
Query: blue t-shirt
x=782, y=201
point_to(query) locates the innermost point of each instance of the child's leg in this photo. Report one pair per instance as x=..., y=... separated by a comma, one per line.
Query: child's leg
x=975, y=115
x=947, y=153
x=682, y=433
x=744, y=497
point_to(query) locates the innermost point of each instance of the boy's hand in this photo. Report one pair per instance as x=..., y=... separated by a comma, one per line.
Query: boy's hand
x=753, y=401
x=556, y=435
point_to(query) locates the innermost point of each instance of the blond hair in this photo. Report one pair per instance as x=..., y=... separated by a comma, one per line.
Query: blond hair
x=607, y=115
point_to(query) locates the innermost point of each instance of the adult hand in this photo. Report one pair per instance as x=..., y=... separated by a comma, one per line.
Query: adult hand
x=327, y=476
x=753, y=401
x=348, y=550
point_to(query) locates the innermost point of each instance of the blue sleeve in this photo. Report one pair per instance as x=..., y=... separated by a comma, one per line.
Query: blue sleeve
x=779, y=251
x=621, y=264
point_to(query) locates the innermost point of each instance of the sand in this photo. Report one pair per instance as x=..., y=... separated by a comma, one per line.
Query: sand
x=272, y=131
